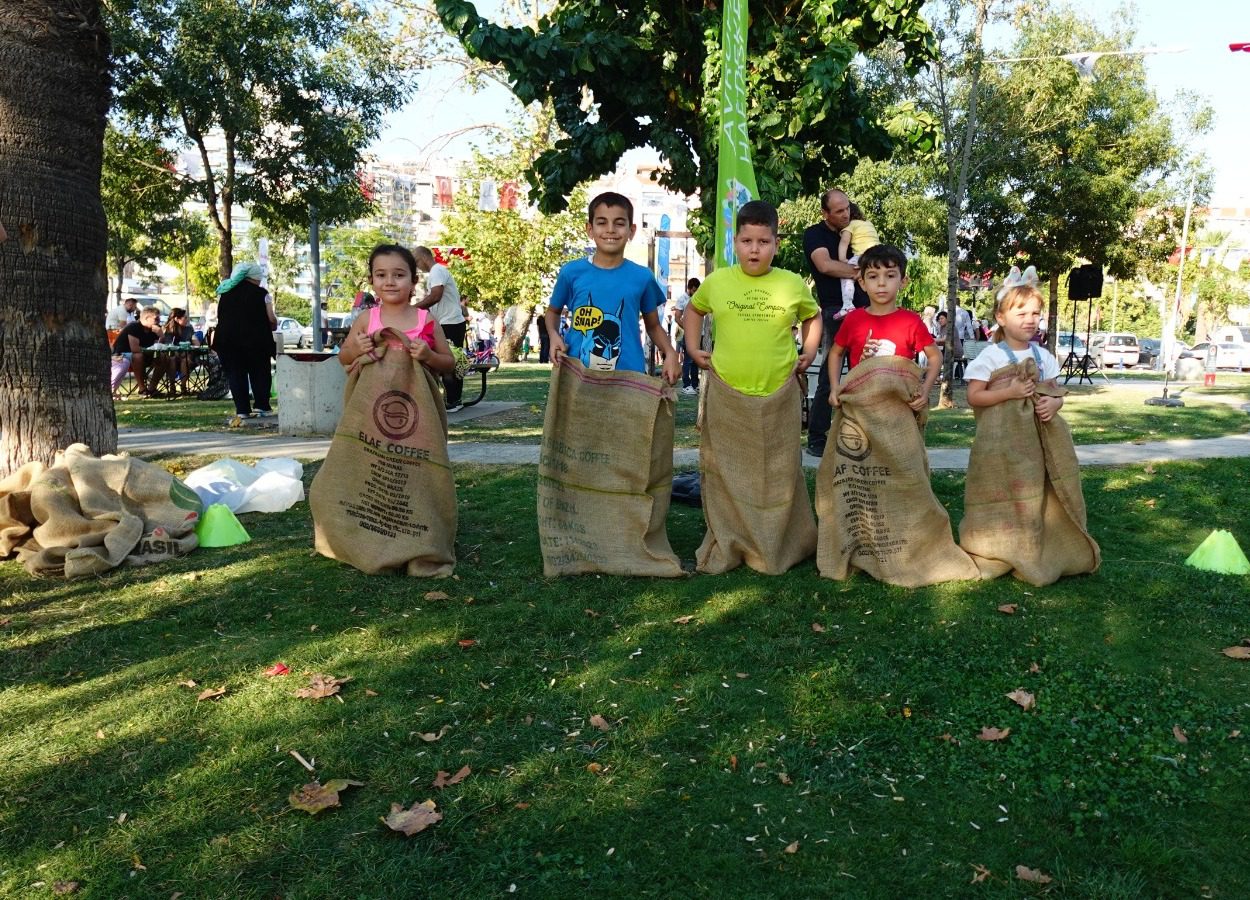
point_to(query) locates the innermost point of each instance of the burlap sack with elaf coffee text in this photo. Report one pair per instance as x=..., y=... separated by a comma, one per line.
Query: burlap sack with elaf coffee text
x=874, y=501
x=384, y=500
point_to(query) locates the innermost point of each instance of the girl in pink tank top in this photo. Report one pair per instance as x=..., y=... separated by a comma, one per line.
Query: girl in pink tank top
x=393, y=273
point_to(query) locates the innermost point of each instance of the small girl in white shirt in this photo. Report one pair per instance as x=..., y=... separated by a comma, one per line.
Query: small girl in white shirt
x=1018, y=313
x=1024, y=511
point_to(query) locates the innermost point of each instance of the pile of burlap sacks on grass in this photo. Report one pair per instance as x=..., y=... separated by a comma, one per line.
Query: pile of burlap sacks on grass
x=874, y=499
x=384, y=500
x=1024, y=511
x=605, y=473
x=85, y=515
x=754, y=493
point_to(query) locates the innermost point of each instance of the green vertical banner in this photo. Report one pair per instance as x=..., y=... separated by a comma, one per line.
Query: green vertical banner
x=735, y=176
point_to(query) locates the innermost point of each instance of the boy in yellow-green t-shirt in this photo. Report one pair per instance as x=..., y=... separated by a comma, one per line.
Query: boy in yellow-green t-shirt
x=755, y=308
x=755, y=500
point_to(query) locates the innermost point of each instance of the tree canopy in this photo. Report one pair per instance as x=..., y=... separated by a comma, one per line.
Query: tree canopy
x=645, y=72
x=276, y=100
x=143, y=196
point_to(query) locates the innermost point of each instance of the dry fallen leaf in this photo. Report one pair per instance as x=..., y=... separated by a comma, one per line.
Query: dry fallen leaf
x=99, y=733
x=430, y=737
x=981, y=873
x=1235, y=733
x=411, y=821
x=792, y=848
x=817, y=627
x=436, y=595
x=1237, y=652
x=313, y=797
x=1037, y=876
x=64, y=887
x=276, y=669
x=370, y=693
x=1023, y=698
x=591, y=613
x=784, y=778
x=733, y=762
x=1009, y=608
x=210, y=693
x=189, y=683
x=1034, y=668
x=600, y=722
x=1180, y=736
x=993, y=734
x=682, y=620
x=465, y=643
x=594, y=768
x=522, y=805
x=442, y=779
x=320, y=686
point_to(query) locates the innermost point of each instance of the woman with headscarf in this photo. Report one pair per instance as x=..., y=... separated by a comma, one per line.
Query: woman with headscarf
x=243, y=338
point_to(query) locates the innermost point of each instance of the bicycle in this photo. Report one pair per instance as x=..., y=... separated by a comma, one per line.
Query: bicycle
x=481, y=360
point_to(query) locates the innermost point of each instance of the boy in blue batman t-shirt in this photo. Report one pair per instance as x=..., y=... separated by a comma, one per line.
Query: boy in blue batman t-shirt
x=606, y=295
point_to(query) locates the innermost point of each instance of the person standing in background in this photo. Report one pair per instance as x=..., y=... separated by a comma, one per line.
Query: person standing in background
x=689, y=370
x=442, y=299
x=821, y=246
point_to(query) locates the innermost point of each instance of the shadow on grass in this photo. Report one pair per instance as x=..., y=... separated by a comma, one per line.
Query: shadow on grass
x=728, y=738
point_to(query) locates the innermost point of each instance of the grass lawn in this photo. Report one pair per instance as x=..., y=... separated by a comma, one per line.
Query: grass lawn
x=839, y=720
x=1101, y=413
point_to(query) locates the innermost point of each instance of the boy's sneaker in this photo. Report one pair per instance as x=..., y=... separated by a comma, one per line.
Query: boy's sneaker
x=456, y=408
x=261, y=414
x=689, y=389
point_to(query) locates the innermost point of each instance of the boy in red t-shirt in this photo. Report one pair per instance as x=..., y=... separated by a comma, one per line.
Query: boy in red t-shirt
x=882, y=329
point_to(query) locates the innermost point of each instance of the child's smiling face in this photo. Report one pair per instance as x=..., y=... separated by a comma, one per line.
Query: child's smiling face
x=755, y=246
x=391, y=278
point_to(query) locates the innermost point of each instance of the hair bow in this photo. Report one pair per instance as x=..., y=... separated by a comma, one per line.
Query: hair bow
x=1016, y=279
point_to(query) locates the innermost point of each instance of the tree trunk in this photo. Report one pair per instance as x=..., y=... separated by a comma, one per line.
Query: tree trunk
x=516, y=323
x=54, y=361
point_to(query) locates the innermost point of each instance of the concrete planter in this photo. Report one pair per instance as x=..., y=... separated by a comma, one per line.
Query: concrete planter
x=310, y=392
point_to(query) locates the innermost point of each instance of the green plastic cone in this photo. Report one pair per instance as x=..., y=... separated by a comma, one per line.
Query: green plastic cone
x=219, y=528
x=1220, y=553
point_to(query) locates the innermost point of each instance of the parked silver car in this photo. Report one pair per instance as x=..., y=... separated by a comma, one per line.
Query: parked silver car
x=294, y=334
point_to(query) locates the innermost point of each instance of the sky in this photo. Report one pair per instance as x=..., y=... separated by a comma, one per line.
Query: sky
x=438, y=124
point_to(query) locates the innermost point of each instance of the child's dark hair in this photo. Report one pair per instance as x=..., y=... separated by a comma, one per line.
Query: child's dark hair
x=757, y=212
x=856, y=212
x=610, y=198
x=693, y=284
x=883, y=256
x=394, y=250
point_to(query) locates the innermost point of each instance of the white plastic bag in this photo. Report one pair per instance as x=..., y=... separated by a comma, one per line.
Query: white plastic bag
x=273, y=485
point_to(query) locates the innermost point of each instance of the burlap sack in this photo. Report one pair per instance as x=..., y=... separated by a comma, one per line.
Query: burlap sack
x=755, y=497
x=1024, y=512
x=90, y=515
x=385, y=498
x=16, y=519
x=605, y=473
x=874, y=501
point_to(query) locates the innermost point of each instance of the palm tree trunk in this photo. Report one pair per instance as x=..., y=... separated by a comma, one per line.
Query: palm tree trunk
x=54, y=360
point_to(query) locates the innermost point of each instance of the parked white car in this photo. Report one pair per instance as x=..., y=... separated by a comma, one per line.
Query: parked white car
x=293, y=333
x=1115, y=350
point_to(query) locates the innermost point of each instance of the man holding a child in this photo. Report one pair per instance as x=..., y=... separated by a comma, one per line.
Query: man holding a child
x=829, y=268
